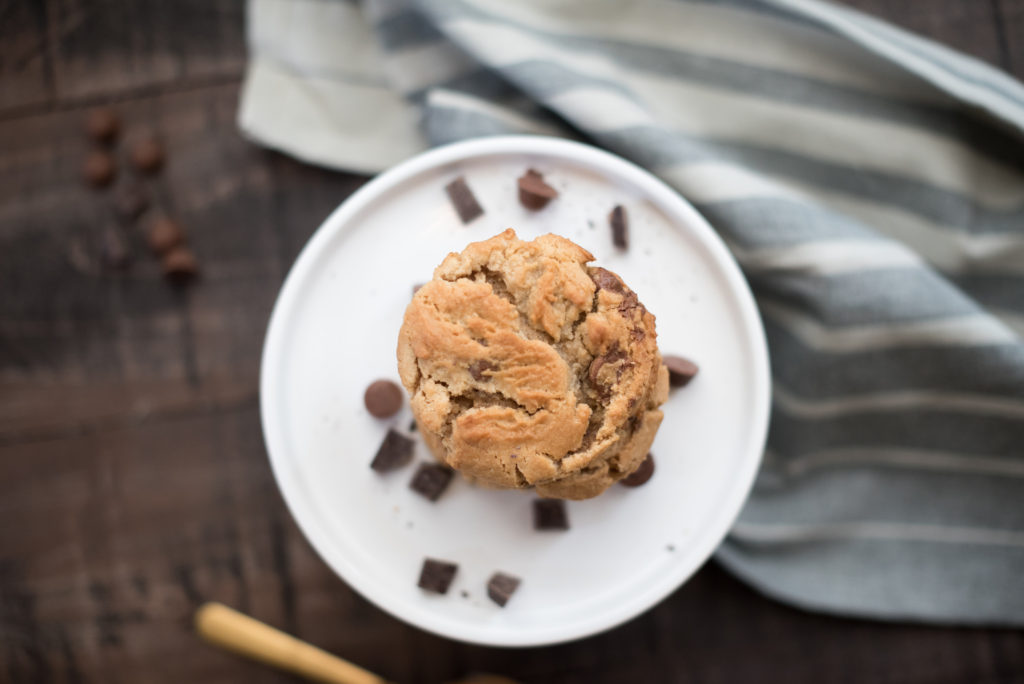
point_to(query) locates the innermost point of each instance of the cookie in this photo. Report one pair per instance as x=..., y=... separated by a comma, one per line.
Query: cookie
x=528, y=368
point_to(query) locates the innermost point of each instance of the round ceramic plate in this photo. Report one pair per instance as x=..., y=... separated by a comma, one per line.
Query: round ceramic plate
x=334, y=330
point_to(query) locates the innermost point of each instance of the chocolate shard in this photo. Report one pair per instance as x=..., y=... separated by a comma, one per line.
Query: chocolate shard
x=394, y=452
x=534, y=193
x=463, y=199
x=680, y=370
x=431, y=479
x=641, y=475
x=501, y=587
x=550, y=514
x=437, y=575
x=620, y=227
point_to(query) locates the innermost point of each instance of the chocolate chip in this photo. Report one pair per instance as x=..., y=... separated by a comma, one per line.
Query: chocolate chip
x=130, y=200
x=164, y=235
x=437, y=575
x=606, y=280
x=394, y=452
x=595, y=368
x=641, y=475
x=148, y=154
x=412, y=426
x=431, y=479
x=99, y=169
x=383, y=398
x=628, y=303
x=620, y=227
x=463, y=199
x=534, y=193
x=550, y=514
x=680, y=370
x=477, y=369
x=102, y=125
x=179, y=265
x=501, y=587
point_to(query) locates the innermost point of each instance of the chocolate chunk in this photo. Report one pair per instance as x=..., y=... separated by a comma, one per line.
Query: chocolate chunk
x=164, y=235
x=477, y=369
x=431, y=479
x=620, y=227
x=437, y=575
x=148, y=155
x=606, y=280
x=628, y=303
x=180, y=265
x=680, y=370
x=550, y=514
x=394, y=452
x=383, y=398
x=463, y=200
x=501, y=587
x=130, y=201
x=595, y=368
x=102, y=125
x=641, y=475
x=99, y=169
x=412, y=426
x=534, y=193
x=114, y=253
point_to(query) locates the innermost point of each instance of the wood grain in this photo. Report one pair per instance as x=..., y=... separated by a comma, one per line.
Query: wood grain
x=133, y=479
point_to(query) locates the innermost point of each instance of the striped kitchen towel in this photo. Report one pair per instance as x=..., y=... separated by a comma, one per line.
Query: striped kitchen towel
x=869, y=182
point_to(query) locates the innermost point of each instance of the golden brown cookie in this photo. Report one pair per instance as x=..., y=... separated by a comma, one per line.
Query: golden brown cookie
x=528, y=368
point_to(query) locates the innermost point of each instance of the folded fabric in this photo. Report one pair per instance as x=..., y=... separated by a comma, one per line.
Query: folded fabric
x=869, y=182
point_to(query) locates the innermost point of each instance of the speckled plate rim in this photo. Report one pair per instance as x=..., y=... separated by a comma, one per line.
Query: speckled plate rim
x=676, y=209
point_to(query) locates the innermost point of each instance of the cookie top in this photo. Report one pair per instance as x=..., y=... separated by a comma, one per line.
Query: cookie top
x=528, y=368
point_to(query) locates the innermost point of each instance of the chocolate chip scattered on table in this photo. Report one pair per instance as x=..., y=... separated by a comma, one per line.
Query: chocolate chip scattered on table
x=620, y=227
x=463, y=199
x=102, y=125
x=437, y=575
x=99, y=169
x=179, y=264
x=164, y=235
x=501, y=587
x=147, y=154
x=534, y=193
x=681, y=370
x=431, y=479
x=550, y=514
x=641, y=475
x=383, y=398
x=394, y=452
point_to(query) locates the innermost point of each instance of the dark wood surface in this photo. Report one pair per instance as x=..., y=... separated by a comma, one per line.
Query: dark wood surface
x=133, y=478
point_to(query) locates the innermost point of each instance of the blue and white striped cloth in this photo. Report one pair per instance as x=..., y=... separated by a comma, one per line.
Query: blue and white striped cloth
x=869, y=182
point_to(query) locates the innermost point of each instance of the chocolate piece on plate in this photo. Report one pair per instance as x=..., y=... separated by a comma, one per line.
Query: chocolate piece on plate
x=620, y=227
x=501, y=587
x=431, y=479
x=534, y=193
x=394, y=452
x=550, y=514
x=463, y=200
x=680, y=370
x=437, y=575
x=383, y=398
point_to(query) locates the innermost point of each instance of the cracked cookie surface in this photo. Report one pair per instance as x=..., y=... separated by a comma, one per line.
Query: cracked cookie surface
x=528, y=368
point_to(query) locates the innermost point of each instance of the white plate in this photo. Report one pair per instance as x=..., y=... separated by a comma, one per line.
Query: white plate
x=333, y=331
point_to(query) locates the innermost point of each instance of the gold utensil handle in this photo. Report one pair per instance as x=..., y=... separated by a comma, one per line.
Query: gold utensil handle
x=231, y=630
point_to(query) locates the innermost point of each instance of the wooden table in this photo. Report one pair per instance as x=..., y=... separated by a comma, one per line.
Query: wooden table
x=133, y=478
